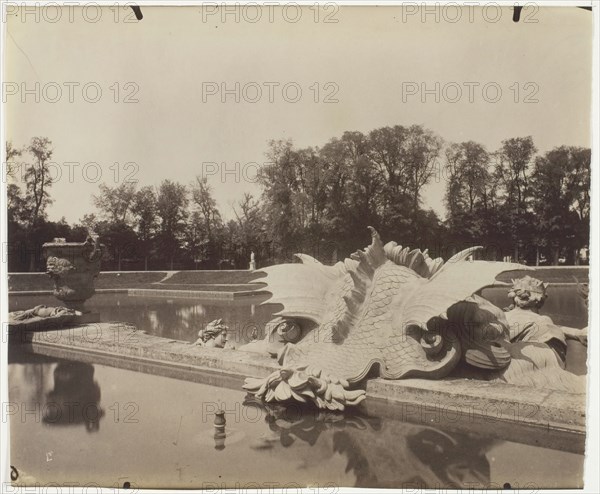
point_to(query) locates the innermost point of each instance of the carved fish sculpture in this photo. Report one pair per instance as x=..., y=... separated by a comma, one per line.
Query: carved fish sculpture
x=370, y=315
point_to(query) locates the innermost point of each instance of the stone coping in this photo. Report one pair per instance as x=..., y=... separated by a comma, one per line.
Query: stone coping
x=222, y=295
x=158, y=292
x=537, y=416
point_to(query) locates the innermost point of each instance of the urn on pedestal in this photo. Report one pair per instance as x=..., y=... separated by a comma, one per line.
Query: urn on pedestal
x=73, y=267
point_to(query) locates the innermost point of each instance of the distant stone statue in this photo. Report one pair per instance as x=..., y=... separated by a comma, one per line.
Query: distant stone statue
x=252, y=261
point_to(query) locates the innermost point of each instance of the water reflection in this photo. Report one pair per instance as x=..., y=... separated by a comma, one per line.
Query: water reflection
x=182, y=318
x=173, y=318
x=380, y=453
x=75, y=398
x=174, y=420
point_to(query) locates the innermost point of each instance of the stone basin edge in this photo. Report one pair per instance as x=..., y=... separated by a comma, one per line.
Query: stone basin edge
x=491, y=402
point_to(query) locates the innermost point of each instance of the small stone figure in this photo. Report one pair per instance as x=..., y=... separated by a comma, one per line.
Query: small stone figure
x=42, y=317
x=252, y=261
x=214, y=335
x=42, y=311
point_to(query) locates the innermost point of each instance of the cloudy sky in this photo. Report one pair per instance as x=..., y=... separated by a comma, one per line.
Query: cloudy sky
x=112, y=92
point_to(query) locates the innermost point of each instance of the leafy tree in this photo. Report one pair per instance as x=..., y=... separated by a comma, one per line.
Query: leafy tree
x=144, y=209
x=422, y=150
x=115, y=203
x=470, y=196
x=89, y=222
x=120, y=241
x=37, y=179
x=578, y=186
x=171, y=204
x=28, y=210
x=560, y=187
x=514, y=162
x=279, y=182
x=247, y=230
x=405, y=159
x=16, y=204
x=353, y=189
x=206, y=225
x=204, y=202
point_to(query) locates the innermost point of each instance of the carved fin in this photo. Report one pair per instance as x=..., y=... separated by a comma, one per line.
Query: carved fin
x=453, y=283
x=301, y=288
x=359, y=282
x=418, y=261
x=366, y=262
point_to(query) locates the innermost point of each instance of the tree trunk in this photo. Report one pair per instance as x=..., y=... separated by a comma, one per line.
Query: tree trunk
x=555, y=254
x=145, y=263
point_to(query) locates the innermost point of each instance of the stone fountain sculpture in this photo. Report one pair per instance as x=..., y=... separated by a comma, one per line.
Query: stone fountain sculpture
x=395, y=313
x=527, y=324
x=214, y=335
x=73, y=266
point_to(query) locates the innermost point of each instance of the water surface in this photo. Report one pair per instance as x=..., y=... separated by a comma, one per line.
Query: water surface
x=98, y=425
x=182, y=318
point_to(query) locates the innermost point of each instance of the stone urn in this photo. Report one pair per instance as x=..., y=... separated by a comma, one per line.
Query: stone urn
x=73, y=267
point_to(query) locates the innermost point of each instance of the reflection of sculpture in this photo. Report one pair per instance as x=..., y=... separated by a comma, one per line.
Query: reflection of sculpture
x=75, y=397
x=303, y=423
x=391, y=309
x=214, y=335
x=73, y=267
x=419, y=457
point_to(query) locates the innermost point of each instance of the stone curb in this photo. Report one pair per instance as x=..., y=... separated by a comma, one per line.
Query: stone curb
x=158, y=292
x=121, y=344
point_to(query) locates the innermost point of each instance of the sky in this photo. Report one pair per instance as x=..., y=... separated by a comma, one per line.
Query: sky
x=157, y=99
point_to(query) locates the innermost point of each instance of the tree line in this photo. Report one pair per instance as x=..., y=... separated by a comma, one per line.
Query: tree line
x=319, y=200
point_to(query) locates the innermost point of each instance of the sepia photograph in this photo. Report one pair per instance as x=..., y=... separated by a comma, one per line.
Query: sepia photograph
x=299, y=246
